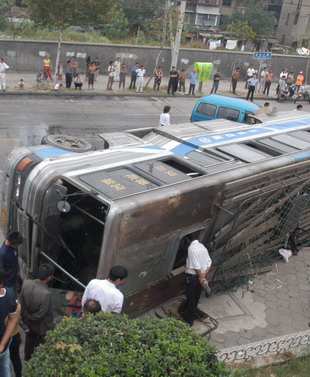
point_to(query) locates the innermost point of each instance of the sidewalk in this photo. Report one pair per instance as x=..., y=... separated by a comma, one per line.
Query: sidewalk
x=100, y=87
x=272, y=304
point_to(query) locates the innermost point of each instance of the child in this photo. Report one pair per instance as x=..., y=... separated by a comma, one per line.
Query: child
x=21, y=84
x=164, y=119
x=78, y=82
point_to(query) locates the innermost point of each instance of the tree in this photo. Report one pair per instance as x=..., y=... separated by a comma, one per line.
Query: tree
x=61, y=14
x=257, y=16
x=241, y=31
x=9, y=13
x=138, y=12
x=106, y=345
x=117, y=27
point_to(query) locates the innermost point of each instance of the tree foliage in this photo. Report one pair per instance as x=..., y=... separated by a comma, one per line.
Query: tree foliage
x=63, y=13
x=138, y=12
x=241, y=31
x=8, y=12
x=107, y=345
x=118, y=27
x=257, y=16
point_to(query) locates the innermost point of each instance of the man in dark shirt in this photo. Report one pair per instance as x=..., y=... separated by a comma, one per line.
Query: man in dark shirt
x=173, y=81
x=8, y=321
x=9, y=259
x=37, y=311
x=216, y=81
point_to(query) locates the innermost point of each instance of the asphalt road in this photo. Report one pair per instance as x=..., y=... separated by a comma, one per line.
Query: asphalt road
x=25, y=120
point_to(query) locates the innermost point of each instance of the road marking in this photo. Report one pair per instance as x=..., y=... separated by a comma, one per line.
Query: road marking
x=5, y=139
x=5, y=113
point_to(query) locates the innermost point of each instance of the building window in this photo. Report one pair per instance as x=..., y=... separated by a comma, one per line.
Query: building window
x=287, y=19
x=206, y=19
x=227, y=3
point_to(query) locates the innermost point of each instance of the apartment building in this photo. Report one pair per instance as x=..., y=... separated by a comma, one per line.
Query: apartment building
x=294, y=23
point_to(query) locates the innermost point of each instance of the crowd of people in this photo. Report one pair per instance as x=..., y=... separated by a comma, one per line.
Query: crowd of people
x=28, y=305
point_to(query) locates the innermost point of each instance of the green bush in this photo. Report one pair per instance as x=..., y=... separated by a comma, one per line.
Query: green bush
x=106, y=345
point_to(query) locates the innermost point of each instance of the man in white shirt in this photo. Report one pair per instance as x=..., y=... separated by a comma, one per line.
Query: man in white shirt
x=3, y=68
x=198, y=264
x=105, y=291
x=140, y=76
x=249, y=74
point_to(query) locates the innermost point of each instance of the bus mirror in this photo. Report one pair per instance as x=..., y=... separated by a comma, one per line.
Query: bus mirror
x=63, y=206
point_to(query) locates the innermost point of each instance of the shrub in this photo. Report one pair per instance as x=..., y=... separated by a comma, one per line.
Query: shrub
x=107, y=345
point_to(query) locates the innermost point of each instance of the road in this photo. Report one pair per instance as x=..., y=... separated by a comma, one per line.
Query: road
x=25, y=120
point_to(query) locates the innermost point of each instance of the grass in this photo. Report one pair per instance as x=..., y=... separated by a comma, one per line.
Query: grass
x=293, y=368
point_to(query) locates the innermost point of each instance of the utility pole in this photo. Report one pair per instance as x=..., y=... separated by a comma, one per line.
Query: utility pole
x=175, y=43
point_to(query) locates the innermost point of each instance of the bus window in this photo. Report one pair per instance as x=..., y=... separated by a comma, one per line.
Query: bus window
x=292, y=141
x=117, y=183
x=203, y=158
x=227, y=113
x=161, y=170
x=243, y=152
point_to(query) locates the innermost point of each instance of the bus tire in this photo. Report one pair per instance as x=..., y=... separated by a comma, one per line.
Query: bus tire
x=68, y=143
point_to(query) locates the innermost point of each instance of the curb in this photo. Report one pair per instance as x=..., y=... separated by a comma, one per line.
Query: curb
x=102, y=94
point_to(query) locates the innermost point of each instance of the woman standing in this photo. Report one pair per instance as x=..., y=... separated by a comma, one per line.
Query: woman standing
x=157, y=80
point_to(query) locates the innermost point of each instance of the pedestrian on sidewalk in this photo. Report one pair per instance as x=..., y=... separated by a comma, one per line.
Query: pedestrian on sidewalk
x=8, y=321
x=78, y=83
x=262, y=81
x=122, y=76
x=75, y=66
x=37, y=309
x=105, y=291
x=158, y=74
x=216, y=81
x=299, y=80
x=234, y=79
x=97, y=64
x=69, y=74
x=164, y=119
x=173, y=81
x=111, y=72
x=21, y=84
x=9, y=259
x=3, y=68
x=15, y=345
x=269, y=77
x=117, y=66
x=252, y=82
x=140, y=79
x=249, y=74
x=133, y=78
x=91, y=75
x=47, y=66
x=182, y=79
x=198, y=264
x=192, y=82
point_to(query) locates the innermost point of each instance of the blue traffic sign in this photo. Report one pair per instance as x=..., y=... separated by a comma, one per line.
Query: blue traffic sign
x=262, y=55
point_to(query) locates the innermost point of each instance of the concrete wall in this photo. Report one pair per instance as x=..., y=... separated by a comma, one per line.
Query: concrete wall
x=23, y=56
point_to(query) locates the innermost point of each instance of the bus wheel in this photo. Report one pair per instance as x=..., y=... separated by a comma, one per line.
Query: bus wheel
x=69, y=143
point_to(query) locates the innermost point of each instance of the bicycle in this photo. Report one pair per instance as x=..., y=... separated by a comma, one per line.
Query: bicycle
x=42, y=80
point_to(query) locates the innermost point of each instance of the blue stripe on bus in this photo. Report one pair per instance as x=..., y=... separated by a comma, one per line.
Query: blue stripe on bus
x=44, y=152
x=152, y=146
x=305, y=155
x=183, y=149
x=238, y=134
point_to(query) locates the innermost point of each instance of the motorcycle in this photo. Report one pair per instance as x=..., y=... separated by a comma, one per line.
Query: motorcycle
x=285, y=95
x=303, y=94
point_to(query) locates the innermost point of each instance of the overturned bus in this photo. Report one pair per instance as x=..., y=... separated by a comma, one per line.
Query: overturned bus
x=246, y=189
